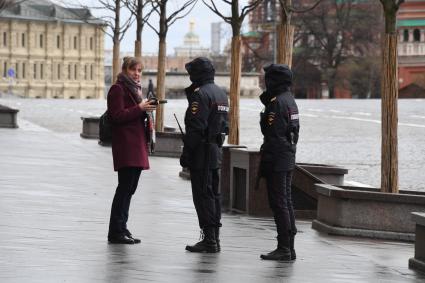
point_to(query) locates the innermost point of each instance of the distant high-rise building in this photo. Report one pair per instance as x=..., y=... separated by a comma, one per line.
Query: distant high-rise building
x=50, y=51
x=215, y=38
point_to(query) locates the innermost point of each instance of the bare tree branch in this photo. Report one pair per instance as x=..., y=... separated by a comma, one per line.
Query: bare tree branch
x=292, y=9
x=214, y=9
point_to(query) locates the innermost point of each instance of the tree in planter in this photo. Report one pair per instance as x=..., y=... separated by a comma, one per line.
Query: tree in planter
x=235, y=20
x=389, y=96
x=136, y=8
x=336, y=31
x=165, y=21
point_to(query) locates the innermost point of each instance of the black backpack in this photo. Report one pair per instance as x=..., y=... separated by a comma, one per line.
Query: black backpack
x=105, y=129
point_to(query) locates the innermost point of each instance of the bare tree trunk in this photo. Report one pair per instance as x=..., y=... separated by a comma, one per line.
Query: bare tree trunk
x=116, y=40
x=139, y=29
x=389, y=96
x=160, y=84
x=235, y=77
x=138, y=49
x=285, y=35
x=285, y=43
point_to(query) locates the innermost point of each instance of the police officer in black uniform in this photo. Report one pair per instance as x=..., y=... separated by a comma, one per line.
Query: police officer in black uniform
x=206, y=122
x=280, y=127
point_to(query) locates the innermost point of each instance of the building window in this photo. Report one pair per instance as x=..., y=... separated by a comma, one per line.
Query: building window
x=41, y=41
x=41, y=71
x=58, y=41
x=85, y=72
x=416, y=35
x=4, y=38
x=4, y=69
x=69, y=71
x=23, y=39
x=17, y=71
x=59, y=71
x=23, y=70
x=35, y=71
x=75, y=42
x=91, y=72
x=406, y=35
x=75, y=71
x=91, y=43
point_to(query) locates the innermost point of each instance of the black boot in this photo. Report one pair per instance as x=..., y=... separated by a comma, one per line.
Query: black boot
x=217, y=237
x=291, y=246
x=207, y=244
x=282, y=252
x=278, y=254
x=128, y=234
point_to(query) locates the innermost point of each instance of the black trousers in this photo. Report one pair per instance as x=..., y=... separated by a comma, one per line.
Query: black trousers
x=128, y=178
x=280, y=200
x=207, y=198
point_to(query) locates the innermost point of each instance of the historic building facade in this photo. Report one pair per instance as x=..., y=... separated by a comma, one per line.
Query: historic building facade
x=411, y=47
x=48, y=51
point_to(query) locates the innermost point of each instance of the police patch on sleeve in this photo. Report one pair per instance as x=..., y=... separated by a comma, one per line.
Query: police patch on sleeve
x=222, y=108
x=293, y=114
x=270, y=118
x=194, y=107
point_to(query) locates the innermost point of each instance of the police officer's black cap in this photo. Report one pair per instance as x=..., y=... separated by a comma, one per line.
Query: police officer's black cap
x=201, y=65
x=279, y=71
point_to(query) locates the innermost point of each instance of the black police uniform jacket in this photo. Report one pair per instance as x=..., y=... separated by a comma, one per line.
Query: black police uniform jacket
x=279, y=121
x=206, y=118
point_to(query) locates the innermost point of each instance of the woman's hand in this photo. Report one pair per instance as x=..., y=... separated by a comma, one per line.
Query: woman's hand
x=146, y=106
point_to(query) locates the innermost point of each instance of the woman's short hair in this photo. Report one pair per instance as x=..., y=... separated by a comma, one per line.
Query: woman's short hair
x=130, y=62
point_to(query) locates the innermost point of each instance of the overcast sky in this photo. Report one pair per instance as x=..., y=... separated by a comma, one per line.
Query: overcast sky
x=202, y=16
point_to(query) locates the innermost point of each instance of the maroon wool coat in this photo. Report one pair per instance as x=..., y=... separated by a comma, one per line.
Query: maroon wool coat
x=129, y=146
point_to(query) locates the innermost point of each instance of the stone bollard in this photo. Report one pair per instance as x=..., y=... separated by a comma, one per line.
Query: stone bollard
x=8, y=117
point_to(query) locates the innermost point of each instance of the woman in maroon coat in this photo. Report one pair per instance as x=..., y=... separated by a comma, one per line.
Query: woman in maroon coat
x=127, y=113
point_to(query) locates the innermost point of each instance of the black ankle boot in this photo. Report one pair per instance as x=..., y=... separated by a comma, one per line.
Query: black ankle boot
x=278, y=254
x=217, y=237
x=291, y=247
x=128, y=234
x=207, y=243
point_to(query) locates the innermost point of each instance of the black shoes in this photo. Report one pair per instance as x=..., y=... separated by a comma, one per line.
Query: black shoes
x=278, y=254
x=128, y=234
x=121, y=239
x=203, y=246
x=207, y=244
x=127, y=238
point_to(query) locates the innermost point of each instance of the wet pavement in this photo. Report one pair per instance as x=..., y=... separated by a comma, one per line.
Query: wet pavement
x=55, y=196
x=339, y=132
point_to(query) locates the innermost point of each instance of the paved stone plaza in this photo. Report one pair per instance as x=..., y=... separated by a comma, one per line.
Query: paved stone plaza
x=55, y=195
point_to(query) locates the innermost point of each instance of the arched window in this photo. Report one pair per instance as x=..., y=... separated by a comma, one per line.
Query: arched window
x=406, y=35
x=58, y=41
x=41, y=41
x=75, y=42
x=416, y=35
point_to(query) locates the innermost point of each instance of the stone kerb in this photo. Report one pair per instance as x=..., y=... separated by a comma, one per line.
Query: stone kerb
x=367, y=212
x=418, y=262
x=8, y=117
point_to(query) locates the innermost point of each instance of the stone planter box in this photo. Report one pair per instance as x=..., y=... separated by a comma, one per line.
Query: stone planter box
x=418, y=262
x=168, y=144
x=90, y=127
x=242, y=191
x=8, y=117
x=367, y=212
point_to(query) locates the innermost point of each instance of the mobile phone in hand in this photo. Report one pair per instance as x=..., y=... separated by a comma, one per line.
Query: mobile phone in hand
x=155, y=101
